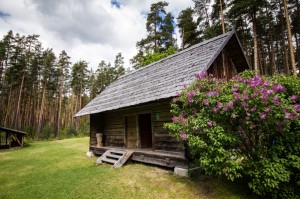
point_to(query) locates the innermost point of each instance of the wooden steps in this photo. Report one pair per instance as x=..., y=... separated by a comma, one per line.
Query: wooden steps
x=115, y=157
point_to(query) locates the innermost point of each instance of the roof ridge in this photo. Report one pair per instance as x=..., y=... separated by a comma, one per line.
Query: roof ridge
x=178, y=53
x=218, y=51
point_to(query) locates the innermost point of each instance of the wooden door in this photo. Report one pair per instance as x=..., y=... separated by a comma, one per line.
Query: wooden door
x=145, y=130
x=131, y=131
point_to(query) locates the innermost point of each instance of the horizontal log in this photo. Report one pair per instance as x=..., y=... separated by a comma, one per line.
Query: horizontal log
x=161, y=161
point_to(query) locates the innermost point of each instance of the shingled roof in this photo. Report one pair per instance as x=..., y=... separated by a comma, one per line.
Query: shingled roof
x=164, y=78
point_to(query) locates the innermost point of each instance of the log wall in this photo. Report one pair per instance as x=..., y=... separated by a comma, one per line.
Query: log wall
x=113, y=123
x=223, y=67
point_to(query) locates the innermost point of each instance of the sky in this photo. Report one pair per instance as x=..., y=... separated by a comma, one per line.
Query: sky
x=90, y=30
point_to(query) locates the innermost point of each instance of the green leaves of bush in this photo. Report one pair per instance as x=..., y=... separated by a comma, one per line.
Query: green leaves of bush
x=245, y=128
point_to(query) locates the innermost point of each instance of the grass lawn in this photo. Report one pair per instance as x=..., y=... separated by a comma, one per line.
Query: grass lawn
x=60, y=169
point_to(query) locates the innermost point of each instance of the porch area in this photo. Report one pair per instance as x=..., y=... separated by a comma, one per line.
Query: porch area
x=168, y=159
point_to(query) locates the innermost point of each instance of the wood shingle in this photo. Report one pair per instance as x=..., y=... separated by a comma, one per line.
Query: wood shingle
x=165, y=78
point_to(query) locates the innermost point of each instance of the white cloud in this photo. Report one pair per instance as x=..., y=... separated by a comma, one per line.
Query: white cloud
x=91, y=30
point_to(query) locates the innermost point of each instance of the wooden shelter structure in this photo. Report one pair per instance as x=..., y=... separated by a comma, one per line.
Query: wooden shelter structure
x=130, y=113
x=11, y=138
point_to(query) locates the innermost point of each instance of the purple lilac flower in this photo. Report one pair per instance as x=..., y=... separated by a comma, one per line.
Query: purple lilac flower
x=175, y=118
x=209, y=123
x=246, y=96
x=185, y=86
x=215, y=109
x=279, y=123
x=266, y=84
x=212, y=93
x=182, y=131
x=240, y=79
x=253, y=109
x=190, y=96
x=200, y=86
x=254, y=95
x=263, y=115
x=278, y=88
x=288, y=116
x=294, y=97
x=183, y=137
x=234, y=89
x=219, y=105
x=184, y=121
x=180, y=118
x=276, y=100
x=237, y=97
x=292, y=116
x=268, y=110
x=236, y=85
x=201, y=76
x=177, y=94
x=244, y=104
x=296, y=107
x=230, y=105
x=269, y=92
x=206, y=102
x=225, y=108
x=247, y=81
x=256, y=81
x=295, y=116
x=264, y=95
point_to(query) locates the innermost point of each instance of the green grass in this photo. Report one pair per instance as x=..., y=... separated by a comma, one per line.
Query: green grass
x=60, y=169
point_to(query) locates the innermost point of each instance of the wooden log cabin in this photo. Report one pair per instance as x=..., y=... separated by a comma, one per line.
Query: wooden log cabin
x=130, y=113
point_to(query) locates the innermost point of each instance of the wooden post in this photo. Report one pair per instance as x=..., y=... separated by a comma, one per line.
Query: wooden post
x=6, y=138
x=22, y=141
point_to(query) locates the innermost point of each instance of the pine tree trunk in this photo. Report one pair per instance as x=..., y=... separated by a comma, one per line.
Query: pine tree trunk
x=34, y=107
x=271, y=45
x=256, y=63
x=286, y=57
x=76, y=105
x=8, y=106
x=297, y=51
x=283, y=48
x=222, y=17
x=273, y=62
x=16, y=112
x=58, y=112
x=41, y=112
x=80, y=98
x=1, y=72
x=297, y=40
x=288, y=25
x=207, y=17
x=245, y=46
x=182, y=39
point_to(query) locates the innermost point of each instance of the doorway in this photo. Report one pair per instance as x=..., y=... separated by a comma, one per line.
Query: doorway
x=145, y=130
x=131, y=131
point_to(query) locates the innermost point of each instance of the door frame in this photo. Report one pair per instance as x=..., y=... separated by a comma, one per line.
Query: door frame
x=138, y=126
x=125, y=130
x=138, y=144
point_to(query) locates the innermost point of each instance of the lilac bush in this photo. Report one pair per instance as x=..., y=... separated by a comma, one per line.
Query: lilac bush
x=246, y=128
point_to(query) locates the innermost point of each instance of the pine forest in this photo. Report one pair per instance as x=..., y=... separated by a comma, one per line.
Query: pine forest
x=40, y=91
